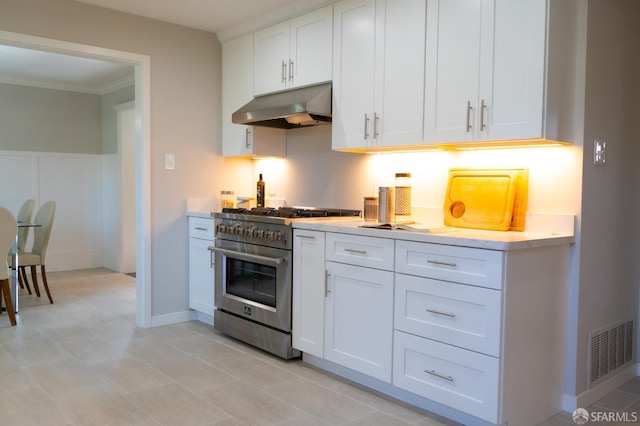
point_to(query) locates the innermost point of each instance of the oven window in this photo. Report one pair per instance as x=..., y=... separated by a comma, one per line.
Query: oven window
x=251, y=281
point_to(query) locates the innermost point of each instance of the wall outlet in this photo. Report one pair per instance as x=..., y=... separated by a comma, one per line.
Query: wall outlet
x=599, y=152
x=169, y=161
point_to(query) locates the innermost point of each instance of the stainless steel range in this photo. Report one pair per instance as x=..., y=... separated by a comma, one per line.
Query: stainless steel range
x=253, y=274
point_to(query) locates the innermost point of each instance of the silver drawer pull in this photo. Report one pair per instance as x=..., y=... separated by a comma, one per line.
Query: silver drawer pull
x=201, y=229
x=438, y=262
x=446, y=314
x=355, y=251
x=311, y=237
x=434, y=373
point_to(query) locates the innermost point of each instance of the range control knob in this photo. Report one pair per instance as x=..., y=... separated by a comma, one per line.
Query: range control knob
x=237, y=230
x=277, y=235
x=219, y=228
x=254, y=233
x=268, y=234
x=246, y=232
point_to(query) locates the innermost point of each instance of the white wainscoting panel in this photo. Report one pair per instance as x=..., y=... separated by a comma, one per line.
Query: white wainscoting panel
x=74, y=182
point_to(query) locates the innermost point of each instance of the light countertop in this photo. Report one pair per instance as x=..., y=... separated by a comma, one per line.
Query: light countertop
x=202, y=214
x=493, y=240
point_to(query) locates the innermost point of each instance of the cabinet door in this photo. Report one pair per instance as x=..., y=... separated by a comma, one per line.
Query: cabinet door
x=201, y=272
x=512, y=78
x=451, y=70
x=359, y=319
x=353, y=73
x=271, y=59
x=237, y=90
x=311, y=48
x=308, y=291
x=399, y=97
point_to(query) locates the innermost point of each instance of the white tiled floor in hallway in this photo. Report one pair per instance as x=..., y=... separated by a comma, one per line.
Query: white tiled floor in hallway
x=82, y=361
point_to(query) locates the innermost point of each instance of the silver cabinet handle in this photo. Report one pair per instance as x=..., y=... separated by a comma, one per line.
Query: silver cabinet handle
x=468, y=116
x=284, y=72
x=366, y=126
x=326, y=283
x=435, y=373
x=311, y=237
x=482, y=108
x=246, y=137
x=446, y=314
x=212, y=262
x=350, y=250
x=438, y=262
x=200, y=229
x=290, y=70
x=376, y=118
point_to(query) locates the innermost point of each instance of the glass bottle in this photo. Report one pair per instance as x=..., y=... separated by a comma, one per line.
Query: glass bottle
x=260, y=192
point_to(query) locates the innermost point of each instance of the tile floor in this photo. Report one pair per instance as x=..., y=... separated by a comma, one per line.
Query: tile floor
x=82, y=361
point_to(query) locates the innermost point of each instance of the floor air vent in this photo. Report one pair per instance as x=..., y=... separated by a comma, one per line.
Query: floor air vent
x=610, y=349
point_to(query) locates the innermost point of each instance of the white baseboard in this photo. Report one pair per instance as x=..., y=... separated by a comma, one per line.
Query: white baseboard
x=173, y=318
x=205, y=318
x=589, y=397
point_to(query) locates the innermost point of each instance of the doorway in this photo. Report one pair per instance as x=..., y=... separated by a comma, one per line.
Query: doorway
x=141, y=64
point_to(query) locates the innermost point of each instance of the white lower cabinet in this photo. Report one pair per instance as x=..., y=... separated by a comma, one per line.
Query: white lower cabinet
x=343, y=312
x=456, y=314
x=309, y=282
x=358, y=319
x=459, y=378
x=201, y=266
x=454, y=325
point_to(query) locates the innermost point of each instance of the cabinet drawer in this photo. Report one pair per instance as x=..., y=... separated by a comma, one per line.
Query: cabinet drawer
x=465, y=265
x=357, y=250
x=457, y=314
x=461, y=379
x=200, y=227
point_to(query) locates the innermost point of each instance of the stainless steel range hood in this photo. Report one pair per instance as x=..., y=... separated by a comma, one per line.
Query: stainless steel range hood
x=307, y=106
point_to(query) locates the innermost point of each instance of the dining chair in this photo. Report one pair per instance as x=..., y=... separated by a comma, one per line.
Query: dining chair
x=24, y=216
x=37, y=255
x=8, y=232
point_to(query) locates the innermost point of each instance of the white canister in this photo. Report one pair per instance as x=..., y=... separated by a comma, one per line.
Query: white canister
x=403, y=197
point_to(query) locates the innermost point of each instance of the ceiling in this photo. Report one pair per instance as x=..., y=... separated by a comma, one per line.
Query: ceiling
x=50, y=70
x=208, y=15
x=57, y=71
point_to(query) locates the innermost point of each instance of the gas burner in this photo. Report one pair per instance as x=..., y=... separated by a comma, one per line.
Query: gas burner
x=292, y=212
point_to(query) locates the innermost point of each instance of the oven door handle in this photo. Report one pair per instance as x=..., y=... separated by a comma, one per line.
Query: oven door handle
x=272, y=261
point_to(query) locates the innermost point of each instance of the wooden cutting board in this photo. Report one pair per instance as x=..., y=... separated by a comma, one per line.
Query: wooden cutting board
x=486, y=199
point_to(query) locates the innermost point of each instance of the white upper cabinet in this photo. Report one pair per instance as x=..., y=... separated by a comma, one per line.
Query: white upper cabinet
x=237, y=90
x=485, y=70
x=294, y=53
x=378, y=74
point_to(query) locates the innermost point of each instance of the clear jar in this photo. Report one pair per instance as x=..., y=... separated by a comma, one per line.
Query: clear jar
x=403, y=197
x=370, y=208
x=227, y=199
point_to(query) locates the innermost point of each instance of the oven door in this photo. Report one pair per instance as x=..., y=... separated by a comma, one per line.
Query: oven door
x=254, y=282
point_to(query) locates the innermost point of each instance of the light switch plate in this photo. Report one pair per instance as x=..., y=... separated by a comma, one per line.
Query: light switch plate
x=599, y=152
x=169, y=161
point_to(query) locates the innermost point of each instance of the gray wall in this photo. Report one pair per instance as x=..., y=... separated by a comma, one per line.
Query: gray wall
x=610, y=229
x=185, y=116
x=110, y=117
x=37, y=119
